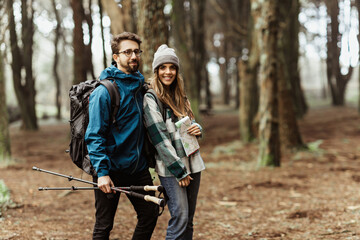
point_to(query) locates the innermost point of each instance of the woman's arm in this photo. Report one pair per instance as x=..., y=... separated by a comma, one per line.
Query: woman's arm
x=160, y=137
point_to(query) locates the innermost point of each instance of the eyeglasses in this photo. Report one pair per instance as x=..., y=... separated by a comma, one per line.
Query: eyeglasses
x=129, y=52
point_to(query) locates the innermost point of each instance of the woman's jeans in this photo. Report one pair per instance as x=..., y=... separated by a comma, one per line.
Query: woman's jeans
x=106, y=206
x=181, y=204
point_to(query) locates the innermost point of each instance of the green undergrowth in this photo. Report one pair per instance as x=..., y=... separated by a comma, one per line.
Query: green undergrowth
x=5, y=200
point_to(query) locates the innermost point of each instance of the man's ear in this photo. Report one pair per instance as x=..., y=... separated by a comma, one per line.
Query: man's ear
x=115, y=57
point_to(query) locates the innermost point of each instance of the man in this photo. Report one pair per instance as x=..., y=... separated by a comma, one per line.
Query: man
x=115, y=148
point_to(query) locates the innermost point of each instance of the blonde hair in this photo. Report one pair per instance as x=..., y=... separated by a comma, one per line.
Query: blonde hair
x=174, y=96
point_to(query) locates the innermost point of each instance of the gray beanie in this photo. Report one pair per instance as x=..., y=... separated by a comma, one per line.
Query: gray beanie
x=164, y=54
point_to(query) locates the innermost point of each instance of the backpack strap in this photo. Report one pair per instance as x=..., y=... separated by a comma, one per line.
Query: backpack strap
x=112, y=88
x=159, y=103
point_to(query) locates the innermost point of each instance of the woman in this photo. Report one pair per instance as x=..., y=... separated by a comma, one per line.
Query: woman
x=178, y=173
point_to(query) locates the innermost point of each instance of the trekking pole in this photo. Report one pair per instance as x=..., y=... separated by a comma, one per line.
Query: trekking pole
x=148, y=198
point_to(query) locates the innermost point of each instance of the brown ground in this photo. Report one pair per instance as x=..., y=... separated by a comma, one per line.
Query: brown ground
x=314, y=195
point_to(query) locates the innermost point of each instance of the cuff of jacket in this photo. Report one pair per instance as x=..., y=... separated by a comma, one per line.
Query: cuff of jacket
x=102, y=172
x=177, y=170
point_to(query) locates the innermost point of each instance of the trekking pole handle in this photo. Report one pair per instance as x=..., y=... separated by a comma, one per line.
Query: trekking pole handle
x=148, y=198
x=147, y=188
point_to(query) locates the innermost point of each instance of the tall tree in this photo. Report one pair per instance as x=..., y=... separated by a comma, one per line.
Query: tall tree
x=56, y=60
x=186, y=29
x=248, y=70
x=102, y=33
x=336, y=80
x=153, y=30
x=290, y=39
x=122, y=15
x=82, y=52
x=78, y=42
x=21, y=65
x=269, y=149
x=5, y=148
x=287, y=74
x=357, y=4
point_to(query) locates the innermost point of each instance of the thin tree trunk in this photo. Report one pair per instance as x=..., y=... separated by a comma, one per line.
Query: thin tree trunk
x=184, y=45
x=337, y=81
x=102, y=33
x=22, y=60
x=78, y=42
x=249, y=93
x=357, y=4
x=290, y=9
x=56, y=61
x=5, y=149
x=269, y=149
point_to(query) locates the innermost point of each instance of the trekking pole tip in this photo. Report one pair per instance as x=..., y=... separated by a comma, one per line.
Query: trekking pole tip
x=35, y=168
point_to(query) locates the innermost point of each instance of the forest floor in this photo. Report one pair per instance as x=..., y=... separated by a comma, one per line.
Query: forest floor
x=313, y=195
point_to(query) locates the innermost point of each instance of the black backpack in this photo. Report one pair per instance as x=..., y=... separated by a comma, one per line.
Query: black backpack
x=149, y=149
x=79, y=118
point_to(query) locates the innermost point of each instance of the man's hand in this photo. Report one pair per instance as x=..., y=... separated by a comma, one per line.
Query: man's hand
x=105, y=184
x=185, y=181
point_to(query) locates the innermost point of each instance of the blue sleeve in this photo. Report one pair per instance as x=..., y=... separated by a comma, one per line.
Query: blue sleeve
x=95, y=136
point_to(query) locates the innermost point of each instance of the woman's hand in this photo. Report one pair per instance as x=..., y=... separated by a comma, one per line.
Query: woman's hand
x=194, y=130
x=185, y=181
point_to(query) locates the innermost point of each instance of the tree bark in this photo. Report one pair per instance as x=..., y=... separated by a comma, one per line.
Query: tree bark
x=102, y=33
x=185, y=45
x=357, y=4
x=249, y=92
x=56, y=61
x=5, y=148
x=290, y=9
x=21, y=65
x=287, y=71
x=269, y=149
x=122, y=17
x=153, y=30
x=337, y=81
x=78, y=42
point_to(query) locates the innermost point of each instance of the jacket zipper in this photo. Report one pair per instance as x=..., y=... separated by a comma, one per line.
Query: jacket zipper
x=137, y=143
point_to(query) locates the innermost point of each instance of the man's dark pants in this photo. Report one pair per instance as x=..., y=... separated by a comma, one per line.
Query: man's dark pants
x=106, y=205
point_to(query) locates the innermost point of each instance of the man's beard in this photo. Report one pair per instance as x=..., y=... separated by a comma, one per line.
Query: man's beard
x=131, y=69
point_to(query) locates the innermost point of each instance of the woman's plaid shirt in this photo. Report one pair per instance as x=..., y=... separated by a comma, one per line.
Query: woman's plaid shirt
x=171, y=160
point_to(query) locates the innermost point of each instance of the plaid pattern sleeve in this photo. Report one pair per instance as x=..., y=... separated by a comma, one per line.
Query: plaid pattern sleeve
x=163, y=140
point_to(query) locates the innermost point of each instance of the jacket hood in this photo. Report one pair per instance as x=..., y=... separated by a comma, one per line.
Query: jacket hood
x=114, y=72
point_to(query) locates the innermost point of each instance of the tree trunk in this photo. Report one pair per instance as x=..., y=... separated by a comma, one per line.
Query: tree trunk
x=122, y=18
x=87, y=57
x=336, y=80
x=102, y=33
x=56, y=61
x=78, y=42
x=357, y=4
x=153, y=30
x=5, y=149
x=184, y=42
x=249, y=93
x=287, y=71
x=22, y=63
x=198, y=30
x=269, y=149
x=290, y=9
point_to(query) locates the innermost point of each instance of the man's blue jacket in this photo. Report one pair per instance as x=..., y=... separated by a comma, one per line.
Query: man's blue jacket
x=117, y=147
